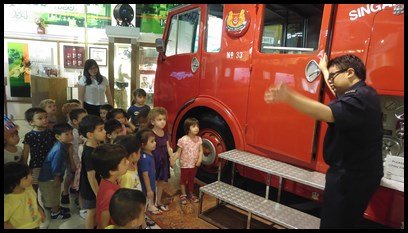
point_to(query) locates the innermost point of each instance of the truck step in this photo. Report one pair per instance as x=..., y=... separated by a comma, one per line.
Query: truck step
x=259, y=206
x=273, y=167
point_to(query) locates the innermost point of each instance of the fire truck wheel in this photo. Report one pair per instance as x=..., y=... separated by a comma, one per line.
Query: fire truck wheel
x=217, y=138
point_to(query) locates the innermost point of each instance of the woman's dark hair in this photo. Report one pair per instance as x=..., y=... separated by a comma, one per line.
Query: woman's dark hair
x=349, y=61
x=107, y=157
x=13, y=173
x=113, y=112
x=88, y=65
x=126, y=205
x=189, y=122
x=130, y=142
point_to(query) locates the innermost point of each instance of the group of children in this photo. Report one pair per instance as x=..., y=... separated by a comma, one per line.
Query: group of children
x=117, y=162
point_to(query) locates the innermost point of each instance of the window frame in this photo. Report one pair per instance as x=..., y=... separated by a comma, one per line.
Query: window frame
x=206, y=30
x=196, y=31
x=285, y=49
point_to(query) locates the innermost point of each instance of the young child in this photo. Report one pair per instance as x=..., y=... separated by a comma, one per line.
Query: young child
x=146, y=168
x=38, y=142
x=138, y=104
x=120, y=115
x=157, y=119
x=91, y=127
x=53, y=170
x=190, y=151
x=110, y=162
x=71, y=165
x=131, y=178
x=113, y=129
x=67, y=107
x=103, y=111
x=127, y=208
x=21, y=210
x=12, y=152
x=50, y=107
x=75, y=116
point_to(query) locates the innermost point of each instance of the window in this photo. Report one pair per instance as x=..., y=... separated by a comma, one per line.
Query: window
x=184, y=33
x=214, y=27
x=291, y=28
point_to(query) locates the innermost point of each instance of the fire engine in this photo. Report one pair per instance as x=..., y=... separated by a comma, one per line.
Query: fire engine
x=216, y=61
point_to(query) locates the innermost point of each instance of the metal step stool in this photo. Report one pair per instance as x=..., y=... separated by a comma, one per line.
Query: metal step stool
x=259, y=206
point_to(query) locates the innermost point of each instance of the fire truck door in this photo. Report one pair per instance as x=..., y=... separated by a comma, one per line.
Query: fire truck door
x=179, y=70
x=288, y=38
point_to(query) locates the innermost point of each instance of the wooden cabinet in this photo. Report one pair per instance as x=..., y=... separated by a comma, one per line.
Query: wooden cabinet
x=49, y=88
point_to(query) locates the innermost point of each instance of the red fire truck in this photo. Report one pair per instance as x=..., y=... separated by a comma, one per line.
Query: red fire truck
x=216, y=61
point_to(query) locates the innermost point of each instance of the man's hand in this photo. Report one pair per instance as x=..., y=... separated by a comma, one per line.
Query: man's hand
x=323, y=67
x=281, y=93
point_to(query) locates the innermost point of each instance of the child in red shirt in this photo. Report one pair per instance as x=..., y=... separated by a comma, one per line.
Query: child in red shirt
x=110, y=162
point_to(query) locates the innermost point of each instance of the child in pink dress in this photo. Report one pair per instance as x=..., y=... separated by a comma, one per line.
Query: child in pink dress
x=190, y=151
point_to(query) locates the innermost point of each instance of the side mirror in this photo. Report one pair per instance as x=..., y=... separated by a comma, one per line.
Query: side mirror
x=312, y=71
x=159, y=45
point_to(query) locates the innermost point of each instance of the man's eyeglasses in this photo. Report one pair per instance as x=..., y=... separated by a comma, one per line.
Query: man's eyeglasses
x=334, y=75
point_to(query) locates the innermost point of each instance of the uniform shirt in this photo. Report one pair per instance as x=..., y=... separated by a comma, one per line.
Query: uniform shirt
x=87, y=165
x=94, y=93
x=22, y=209
x=40, y=143
x=55, y=163
x=132, y=113
x=105, y=193
x=189, y=153
x=13, y=156
x=354, y=140
x=146, y=164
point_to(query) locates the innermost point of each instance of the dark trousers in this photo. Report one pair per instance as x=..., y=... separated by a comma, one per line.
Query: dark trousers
x=346, y=197
x=92, y=109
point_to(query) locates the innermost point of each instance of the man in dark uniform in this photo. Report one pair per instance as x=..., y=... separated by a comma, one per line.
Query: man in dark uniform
x=353, y=143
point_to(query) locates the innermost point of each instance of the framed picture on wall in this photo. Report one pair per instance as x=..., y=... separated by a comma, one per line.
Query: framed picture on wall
x=74, y=56
x=100, y=55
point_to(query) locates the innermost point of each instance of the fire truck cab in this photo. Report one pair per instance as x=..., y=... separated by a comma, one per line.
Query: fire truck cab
x=217, y=60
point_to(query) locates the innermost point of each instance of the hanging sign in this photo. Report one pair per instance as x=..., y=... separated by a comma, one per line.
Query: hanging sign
x=237, y=23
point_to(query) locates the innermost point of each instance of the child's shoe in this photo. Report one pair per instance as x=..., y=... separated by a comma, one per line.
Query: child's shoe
x=149, y=222
x=60, y=215
x=82, y=213
x=183, y=199
x=64, y=209
x=193, y=198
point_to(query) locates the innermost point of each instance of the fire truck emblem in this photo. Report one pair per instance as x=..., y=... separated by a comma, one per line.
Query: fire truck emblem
x=237, y=23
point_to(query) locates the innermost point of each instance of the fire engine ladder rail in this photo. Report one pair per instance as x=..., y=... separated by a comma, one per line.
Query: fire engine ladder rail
x=259, y=206
x=272, y=167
